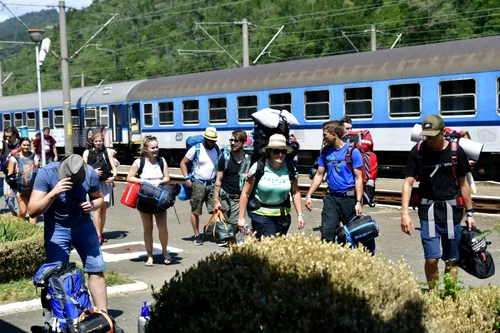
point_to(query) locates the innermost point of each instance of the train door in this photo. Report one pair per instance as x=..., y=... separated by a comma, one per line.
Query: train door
x=116, y=121
x=134, y=122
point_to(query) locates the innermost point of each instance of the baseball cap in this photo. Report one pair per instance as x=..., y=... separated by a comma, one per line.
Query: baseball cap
x=432, y=125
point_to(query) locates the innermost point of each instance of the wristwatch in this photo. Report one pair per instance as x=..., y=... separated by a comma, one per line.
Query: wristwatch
x=360, y=201
x=469, y=212
x=308, y=196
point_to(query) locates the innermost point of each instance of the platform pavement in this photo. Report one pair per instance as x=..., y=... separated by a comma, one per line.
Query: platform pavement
x=124, y=226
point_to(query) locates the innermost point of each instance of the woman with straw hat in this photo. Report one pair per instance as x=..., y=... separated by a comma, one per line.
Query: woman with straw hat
x=266, y=193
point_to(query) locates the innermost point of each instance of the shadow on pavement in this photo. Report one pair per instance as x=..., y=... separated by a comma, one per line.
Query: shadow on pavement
x=8, y=328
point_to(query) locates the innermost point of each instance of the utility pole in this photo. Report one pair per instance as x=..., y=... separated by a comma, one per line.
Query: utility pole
x=68, y=136
x=1, y=80
x=245, y=42
x=374, y=37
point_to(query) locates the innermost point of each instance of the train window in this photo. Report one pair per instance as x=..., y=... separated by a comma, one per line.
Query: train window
x=317, y=105
x=457, y=97
x=281, y=101
x=45, y=119
x=217, y=110
x=90, y=117
x=6, y=120
x=58, y=118
x=18, y=119
x=75, y=117
x=31, y=120
x=246, y=106
x=104, y=116
x=358, y=102
x=148, y=114
x=404, y=100
x=166, y=113
x=191, y=112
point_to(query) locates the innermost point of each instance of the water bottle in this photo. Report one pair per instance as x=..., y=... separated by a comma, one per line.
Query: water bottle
x=143, y=319
x=240, y=237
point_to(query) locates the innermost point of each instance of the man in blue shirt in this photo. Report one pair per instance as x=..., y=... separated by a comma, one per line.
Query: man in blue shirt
x=345, y=182
x=60, y=193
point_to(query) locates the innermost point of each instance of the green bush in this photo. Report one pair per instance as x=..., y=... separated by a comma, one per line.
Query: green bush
x=20, y=258
x=292, y=284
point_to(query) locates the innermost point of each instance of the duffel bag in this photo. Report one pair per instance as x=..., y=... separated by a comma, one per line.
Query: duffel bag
x=94, y=321
x=218, y=229
x=360, y=229
x=162, y=197
x=473, y=257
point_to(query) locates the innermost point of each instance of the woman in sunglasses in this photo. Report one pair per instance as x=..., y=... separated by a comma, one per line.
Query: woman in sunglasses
x=266, y=193
x=151, y=168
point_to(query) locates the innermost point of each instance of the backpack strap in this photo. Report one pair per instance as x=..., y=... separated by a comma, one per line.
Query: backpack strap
x=348, y=155
x=453, y=160
x=141, y=166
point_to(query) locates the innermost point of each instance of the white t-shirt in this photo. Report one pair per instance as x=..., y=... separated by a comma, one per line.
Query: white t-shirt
x=205, y=168
x=151, y=171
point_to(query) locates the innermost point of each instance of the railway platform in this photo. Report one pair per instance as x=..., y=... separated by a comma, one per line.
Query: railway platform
x=124, y=253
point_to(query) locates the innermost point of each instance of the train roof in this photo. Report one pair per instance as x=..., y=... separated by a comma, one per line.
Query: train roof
x=464, y=56
x=102, y=94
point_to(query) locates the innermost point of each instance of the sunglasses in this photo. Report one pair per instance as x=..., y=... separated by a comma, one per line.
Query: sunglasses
x=150, y=138
x=236, y=141
x=279, y=151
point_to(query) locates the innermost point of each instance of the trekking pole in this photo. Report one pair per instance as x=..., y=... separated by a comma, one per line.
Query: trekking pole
x=178, y=220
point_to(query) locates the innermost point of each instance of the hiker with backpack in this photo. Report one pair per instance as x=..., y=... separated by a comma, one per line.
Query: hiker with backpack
x=199, y=168
x=343, y=200
x=49, y=145
x=153, y=169
x=98, y=157
x=441, y=167
x=266, y=193
x=232, y=168
x=10, y=143
x=22, y=170
x=60, y=194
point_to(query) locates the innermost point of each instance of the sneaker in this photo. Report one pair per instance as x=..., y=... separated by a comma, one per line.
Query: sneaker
x=197, y=240
x=222, y=244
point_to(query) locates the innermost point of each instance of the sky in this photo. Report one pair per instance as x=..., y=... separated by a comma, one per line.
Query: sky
x=18, y=9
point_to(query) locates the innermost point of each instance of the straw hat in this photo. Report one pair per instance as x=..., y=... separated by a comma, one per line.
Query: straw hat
x=277, y=141
x=211, y=134
x=73, y=166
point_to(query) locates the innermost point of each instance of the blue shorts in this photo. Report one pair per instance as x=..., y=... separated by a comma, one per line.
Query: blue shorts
x=58, y=240
x=431, y=246
x=266, y=226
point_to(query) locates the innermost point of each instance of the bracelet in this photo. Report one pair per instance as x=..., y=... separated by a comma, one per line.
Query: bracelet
x=360, y=201
x=308, y=196
x=300, y=214
x=187, y=177
x=470, y=214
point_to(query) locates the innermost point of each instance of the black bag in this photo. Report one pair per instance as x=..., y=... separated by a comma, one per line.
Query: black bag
x=473, y=257
x=360, y=229
x=100, y=160
x=218, y=229
x=162, y=197
x=94, y=321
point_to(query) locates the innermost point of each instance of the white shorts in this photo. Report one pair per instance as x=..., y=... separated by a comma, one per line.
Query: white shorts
x=107, y=191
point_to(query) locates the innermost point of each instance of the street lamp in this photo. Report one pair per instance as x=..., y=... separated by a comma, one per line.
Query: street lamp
x=36, y=36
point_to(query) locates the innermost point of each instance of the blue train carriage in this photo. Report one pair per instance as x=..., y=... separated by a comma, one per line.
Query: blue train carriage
x=386, y=91
x=97, y=108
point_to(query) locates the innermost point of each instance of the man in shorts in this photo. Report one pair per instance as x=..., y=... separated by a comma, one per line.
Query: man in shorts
x=202, y=178
x=443, y=193
x=60, y=194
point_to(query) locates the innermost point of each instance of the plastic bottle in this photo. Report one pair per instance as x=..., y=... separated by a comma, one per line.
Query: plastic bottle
x=143, y=319
x=240, y=237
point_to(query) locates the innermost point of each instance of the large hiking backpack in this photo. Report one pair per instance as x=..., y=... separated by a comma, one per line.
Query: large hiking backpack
x=26, y=174
x=6, y=154
x=262, y=133
x=196, y=141
x=100, y=159
x=64, y=295
x=363, y=140
x=473, y=257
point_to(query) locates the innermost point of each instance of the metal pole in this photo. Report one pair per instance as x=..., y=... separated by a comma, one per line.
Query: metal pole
x=1, y=80
x=68, y=137
x=374, y=37
x=245, y=42
x=40, y=112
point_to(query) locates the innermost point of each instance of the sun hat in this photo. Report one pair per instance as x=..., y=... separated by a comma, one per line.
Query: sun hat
x=432, y=125
x=277, y=141
x=73, y=166
x=211, y=134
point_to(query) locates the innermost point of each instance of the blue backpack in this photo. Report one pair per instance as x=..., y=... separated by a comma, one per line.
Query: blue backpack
x=27, y=171
x=64, y=295
x=196, y=141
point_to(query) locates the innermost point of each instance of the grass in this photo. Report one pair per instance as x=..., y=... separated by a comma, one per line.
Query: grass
x=24, y=290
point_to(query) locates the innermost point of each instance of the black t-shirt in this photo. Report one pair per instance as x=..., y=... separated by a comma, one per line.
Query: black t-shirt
x=231, y=178
x=442, y=185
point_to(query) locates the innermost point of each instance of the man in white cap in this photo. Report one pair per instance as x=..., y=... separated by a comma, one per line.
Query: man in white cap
x=201, y=180
x=440, y=166
x=59, y=193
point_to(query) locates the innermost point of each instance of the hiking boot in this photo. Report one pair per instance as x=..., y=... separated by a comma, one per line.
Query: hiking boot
x=117, y=329
x=197, y=240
